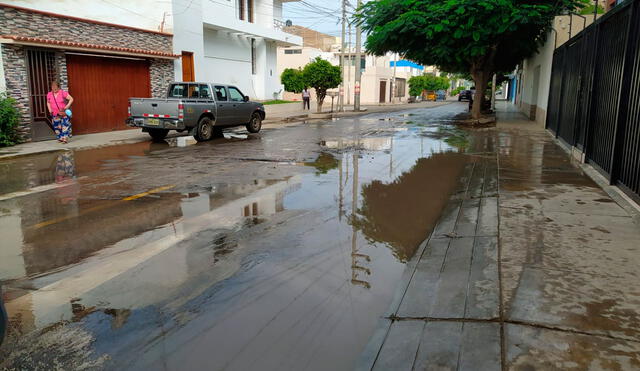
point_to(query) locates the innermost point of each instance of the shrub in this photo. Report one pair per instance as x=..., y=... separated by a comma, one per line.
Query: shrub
x=293, y=80
x=9, y=119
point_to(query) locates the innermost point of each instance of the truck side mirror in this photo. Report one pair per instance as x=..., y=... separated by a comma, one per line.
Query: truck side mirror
x=246, y=98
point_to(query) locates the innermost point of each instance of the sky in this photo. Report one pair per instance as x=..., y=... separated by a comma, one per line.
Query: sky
x=320, y=15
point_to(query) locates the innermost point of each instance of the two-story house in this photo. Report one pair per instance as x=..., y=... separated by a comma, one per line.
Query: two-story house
x=231, y=41
x=104, y=52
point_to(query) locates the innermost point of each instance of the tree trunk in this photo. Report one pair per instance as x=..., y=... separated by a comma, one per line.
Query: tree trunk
x=481, y=70
x=319, y=107
x=481, y=79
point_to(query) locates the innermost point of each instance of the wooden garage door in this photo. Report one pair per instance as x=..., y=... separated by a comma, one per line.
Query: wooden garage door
x=101, y=87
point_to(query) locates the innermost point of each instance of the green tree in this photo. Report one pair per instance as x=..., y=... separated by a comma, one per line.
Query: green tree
x=9, y=119
x=321, y=75
x=417, y=84
x=480, y=37
x=293, y=80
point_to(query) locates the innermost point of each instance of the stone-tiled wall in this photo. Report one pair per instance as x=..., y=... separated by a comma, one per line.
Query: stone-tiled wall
x=24, y=23
x=15, y=74
x=161, y=71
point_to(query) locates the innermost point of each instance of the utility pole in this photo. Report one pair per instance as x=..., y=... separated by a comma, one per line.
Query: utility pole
x=393, y=84
x=348, y=85
x=342, y=64
x=356, y=88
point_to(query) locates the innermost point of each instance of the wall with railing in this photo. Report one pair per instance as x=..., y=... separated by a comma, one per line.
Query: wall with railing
x=594, y=100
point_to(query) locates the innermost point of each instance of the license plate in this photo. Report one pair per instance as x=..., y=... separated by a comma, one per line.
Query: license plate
x=153, y=121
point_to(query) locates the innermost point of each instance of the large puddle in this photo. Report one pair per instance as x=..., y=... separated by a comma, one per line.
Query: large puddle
x=271, y=252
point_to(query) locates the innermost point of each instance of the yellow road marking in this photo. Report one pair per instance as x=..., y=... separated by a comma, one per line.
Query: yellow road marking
x=95, y=208
x=155, y=190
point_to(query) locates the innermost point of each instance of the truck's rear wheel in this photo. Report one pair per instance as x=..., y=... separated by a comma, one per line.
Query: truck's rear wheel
x=255, y=123
x=204, y=131
x=158, y=134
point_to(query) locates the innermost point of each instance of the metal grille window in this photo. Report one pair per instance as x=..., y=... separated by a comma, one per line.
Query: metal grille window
x=241, y=10
x=293, y=51
x=253, y=56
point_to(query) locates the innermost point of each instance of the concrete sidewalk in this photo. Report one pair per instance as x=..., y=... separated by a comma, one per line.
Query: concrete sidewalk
x=531, y=266
x=277, y=115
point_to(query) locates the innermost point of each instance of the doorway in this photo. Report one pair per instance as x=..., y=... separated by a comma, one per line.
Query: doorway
x=42, y=70
x=188, y=73
x=383, y=91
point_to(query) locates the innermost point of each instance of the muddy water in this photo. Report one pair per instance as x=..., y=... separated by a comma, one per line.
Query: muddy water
x=272, y=251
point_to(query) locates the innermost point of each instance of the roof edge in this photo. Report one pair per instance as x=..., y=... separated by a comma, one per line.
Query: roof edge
x=57, y=15
x=73, y=45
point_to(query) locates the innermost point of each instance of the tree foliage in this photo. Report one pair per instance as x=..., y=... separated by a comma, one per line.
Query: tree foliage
x=418, y=84
x=9, y=119
x=475, y=36
x=321, y=75
x=293, y=80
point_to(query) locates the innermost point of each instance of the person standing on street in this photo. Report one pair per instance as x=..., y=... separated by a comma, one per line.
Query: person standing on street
x=58, y=103
x=305, y=99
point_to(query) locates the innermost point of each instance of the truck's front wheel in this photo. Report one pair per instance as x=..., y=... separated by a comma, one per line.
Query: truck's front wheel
x=255, y=123
x=204, y=131
x=158, y=134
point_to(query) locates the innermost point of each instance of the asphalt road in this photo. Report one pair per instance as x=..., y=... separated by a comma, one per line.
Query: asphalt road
x=274, y=251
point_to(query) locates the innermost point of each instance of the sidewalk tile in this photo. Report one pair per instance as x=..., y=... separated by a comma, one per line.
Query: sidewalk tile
x=400, y=347
x=530, y=348
x=483, y=301
x=448, y=345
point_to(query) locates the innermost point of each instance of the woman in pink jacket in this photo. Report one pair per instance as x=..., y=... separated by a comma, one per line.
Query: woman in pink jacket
x=58, y=102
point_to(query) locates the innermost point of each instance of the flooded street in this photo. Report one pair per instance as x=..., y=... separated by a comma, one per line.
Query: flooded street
x=271, y=251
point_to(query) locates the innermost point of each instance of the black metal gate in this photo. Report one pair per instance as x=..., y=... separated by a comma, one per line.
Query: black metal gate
x=42, y=70
x=594, y=97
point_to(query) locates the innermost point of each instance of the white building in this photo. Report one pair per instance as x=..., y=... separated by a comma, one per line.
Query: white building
x=231, y=42
x=226, y=41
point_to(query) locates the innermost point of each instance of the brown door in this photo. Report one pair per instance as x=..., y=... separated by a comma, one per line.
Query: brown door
x=383, y=91
x=187, y=67
x=101, y=88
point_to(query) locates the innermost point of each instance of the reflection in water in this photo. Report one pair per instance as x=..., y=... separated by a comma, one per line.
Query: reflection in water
x=369, y=144
x=402, y=213
x=323, y=163
x=272, y=270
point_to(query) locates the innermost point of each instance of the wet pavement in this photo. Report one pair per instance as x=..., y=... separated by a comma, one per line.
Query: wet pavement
x=532, y=266
x=275, y=251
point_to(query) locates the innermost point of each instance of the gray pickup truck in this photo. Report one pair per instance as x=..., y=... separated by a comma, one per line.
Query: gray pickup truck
x=198, y=107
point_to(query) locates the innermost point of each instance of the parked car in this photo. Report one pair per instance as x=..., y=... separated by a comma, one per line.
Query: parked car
x=465, y=95
x=441, y=95
x=430, y=95
x=198, y=107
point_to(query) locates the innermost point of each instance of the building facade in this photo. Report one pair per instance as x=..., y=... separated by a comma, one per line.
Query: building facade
x=100, y=64
x=232, y=42
x=150, y=44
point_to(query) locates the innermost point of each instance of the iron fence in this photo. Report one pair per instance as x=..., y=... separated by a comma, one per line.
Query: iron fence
x=594, y=97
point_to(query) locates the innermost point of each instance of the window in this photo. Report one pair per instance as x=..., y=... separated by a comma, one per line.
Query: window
x=178, y=91
x=235, y=95
x=250, y=11
x=253, y=57
x=221, y=93
x=293, y=51
x=241, y=10
x=204, y=92
x=194, y=91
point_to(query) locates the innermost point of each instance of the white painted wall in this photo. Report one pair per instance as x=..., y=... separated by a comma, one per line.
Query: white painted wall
x=147, y=14
x=221, y=44
x=544, y=60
